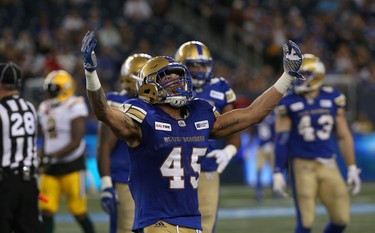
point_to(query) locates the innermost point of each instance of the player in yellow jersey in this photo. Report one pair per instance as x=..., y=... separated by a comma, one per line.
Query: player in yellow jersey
x=62, y=121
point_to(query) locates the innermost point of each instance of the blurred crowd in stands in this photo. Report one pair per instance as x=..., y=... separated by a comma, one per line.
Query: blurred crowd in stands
x=46, y=35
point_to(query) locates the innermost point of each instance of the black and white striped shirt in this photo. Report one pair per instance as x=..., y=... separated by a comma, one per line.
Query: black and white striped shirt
x=18, y=127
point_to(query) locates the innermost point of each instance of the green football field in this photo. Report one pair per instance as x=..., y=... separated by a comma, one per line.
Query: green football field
x=240, y=213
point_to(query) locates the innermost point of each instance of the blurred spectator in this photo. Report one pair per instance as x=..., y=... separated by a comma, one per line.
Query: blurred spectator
x=160, y=8
x=126, y=37
x=72, y=21
x=343, y=62
x=109, y=35
x=94, y=21
x=25, y=44
x=137, y=10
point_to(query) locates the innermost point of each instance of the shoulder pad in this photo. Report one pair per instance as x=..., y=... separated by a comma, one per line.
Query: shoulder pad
x=137, y=113
x=328, y=89
x=76, y=100
x=42, y=106
x=340, y=100
x=215, y=80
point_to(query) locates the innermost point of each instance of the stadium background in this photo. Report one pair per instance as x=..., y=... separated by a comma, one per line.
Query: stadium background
x=245, y=38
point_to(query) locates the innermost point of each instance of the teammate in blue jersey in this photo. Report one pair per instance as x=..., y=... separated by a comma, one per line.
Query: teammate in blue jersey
x=112, y=154
x=307, y=119
x=167, y=132
x=216, y=90
x=265, y=152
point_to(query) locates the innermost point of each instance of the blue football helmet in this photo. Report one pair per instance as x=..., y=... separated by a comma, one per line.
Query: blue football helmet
x=313, y=70
x=197, y=58
x=165, y=81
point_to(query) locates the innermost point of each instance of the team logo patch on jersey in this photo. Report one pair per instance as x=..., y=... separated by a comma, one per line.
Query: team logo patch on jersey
x=201, y=125
x=326, y=103
x=163, y=126
x=296, y=106
x=216, y=95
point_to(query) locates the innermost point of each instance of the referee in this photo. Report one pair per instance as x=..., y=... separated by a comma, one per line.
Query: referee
x=18, y=157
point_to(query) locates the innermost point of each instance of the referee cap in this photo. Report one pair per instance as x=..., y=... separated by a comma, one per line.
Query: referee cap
x=10, y=75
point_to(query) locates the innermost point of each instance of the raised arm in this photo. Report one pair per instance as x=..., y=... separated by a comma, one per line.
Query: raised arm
x=239, y=119
x=121, y=125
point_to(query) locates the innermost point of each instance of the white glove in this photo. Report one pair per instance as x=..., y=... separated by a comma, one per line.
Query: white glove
x=353, y=180
x=279, y=184
x=223, y=157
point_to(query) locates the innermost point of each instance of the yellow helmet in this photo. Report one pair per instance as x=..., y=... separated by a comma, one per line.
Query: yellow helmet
x=196, y=54
x=129, y=72
x=313, y=70
x=59, y=84
x=158, y=87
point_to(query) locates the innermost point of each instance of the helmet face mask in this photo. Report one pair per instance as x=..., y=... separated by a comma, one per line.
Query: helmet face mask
x=313, y=70
x=197, y=57
x=165, y=82
x=52, y=90
x=129, y=72
x=59, y=86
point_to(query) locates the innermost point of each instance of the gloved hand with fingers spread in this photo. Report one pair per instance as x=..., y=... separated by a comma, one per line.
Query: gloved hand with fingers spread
x=353, y=180
x=292, y=59
x=108, y=196
x=223, y=156
x=87, y=49
x=279, y=184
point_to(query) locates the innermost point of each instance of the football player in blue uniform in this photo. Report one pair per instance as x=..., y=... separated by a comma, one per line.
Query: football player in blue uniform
x=265, y=152
x=112, y=153
x=167, y=132
x=307, y=119
x=216, y=90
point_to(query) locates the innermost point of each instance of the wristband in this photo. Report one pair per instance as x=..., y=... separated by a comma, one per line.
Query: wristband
x=231, y=150
x=92, y=81
x=106, y=182
x=283, y=83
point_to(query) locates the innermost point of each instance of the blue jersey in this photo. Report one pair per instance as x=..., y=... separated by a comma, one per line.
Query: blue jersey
x=313, y=122
x=266, y=130
x=120, y=160
x=165, y=166
x=219, y=94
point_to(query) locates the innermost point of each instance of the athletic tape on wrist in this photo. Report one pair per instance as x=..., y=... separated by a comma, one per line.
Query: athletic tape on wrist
x=283, y=83
x=106, y=182
x=92, y=81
